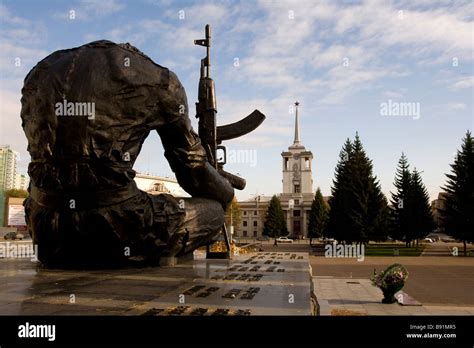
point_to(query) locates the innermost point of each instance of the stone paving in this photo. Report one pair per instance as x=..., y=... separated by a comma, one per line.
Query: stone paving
x=350, y=296
x=276, y=282
x=252, y=284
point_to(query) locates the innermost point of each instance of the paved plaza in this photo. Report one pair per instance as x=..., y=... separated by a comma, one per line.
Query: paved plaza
x=440, y=282
x=251, y=284
x=346, y=296
x=436, y=278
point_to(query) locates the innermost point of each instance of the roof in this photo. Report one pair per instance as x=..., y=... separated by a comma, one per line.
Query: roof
x=262, y=199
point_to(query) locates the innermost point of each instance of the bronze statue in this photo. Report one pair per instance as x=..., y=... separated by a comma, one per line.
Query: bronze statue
x=86, y=112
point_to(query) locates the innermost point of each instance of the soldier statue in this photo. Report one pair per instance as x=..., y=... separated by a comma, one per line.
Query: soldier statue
x=86, y=112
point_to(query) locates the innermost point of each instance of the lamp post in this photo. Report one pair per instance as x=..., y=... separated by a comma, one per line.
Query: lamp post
x=231, y=223
x=257, y=202
x=291, y=206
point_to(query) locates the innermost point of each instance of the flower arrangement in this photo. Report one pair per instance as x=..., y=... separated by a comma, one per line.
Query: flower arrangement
x=390, y=281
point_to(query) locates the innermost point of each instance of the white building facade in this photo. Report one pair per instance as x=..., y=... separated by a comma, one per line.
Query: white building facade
x=296, y=196
x=158, y=184
x=8, y=158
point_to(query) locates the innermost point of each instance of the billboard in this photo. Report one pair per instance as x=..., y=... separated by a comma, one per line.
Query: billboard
x=16, y=215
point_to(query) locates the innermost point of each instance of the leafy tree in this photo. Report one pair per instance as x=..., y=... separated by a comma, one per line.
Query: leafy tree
x=275, y=224
x=16, y=193
x=318, y=216
x=458, y=213
x=234, y=211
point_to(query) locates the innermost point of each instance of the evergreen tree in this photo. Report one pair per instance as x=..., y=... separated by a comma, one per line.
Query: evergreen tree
x=421, y=217
x=317, y=216
x=358, y=208
x=338, y=221
x=400, y=210
x=381, y=217
x=458, y=213
x=275, y=224
x=360, y=168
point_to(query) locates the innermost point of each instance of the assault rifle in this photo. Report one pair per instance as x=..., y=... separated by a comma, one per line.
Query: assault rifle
x=212, y=135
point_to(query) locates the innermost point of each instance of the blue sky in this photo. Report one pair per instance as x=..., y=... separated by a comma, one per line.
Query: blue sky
x=339, y=59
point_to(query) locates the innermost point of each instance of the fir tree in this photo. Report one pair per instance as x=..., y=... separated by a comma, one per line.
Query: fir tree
x=458, y=213
x=400, y=211
x=275, y=224
x=379, y=214
x=338, y=221
x=358, y=208
x=421, y=217
x=317, y=216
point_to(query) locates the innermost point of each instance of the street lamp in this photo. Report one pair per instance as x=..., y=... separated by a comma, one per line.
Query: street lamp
x=231, y=224
x=291, y=206
x=257, y=201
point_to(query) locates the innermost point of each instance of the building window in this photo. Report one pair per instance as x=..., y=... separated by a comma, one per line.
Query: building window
x=287, y=165
x=255, y=212
x=297, y=201
x=245, y=212
x=255, y=233
x=245, y=223
x=255, y=224
x=245, y=233
x=296, y=212
x=306, y=162
x=297, y=188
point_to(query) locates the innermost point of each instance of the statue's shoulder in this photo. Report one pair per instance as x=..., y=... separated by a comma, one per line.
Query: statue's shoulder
x=128, y=47
x=122, y=46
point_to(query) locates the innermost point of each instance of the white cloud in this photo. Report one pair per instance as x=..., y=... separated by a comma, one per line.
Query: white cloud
x=308, y=50
x=392, y=94
x=462, y=83
x=8, y=18
x=11, y=132
x=20, y=40
x=456, y=106
x=101, y=7
x=87, y=10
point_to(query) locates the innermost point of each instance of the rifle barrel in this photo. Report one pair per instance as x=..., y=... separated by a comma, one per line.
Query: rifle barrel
x=208, y=47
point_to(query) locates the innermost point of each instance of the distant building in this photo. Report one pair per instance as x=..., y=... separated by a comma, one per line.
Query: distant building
x=21, y=181
x=437, y=206
x=253, y=216
x=296, y=197
x=8, y=158
x=158, y=184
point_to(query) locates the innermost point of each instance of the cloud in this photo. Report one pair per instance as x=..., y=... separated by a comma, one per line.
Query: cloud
x=8, y=18
x=87, y=10
x=19, y=42
x=308, y=49
x=462, y=83
x=456, y=106
x=283, y=44
x=101, y=7
x=11, y=132
x=393, y=94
